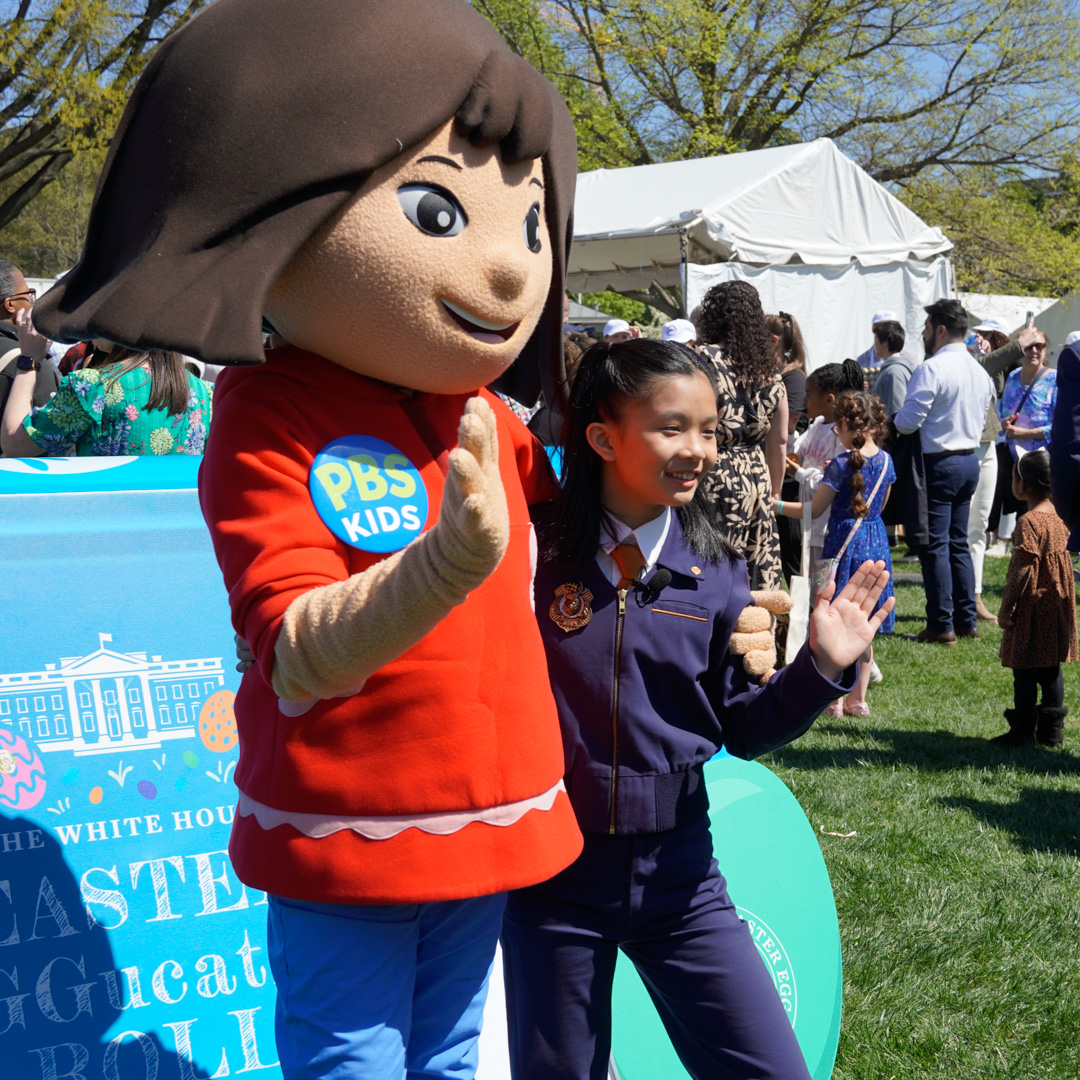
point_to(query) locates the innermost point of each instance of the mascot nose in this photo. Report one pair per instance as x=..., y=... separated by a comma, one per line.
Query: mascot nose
x=508, y=274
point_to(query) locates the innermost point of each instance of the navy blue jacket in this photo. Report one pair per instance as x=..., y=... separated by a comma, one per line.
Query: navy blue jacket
x=646, y=698
x=1065, y=443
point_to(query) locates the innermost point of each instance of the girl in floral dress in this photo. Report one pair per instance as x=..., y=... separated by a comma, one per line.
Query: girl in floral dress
x=137, y=403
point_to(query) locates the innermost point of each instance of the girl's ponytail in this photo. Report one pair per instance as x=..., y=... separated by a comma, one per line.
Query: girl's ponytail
x=864, y=415
x=854, y=377
x=858, y=481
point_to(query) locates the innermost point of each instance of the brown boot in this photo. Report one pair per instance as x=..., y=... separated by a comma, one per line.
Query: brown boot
x=982, y=612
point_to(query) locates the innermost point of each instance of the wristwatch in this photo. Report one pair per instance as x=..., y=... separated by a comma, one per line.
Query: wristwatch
x=27, y=363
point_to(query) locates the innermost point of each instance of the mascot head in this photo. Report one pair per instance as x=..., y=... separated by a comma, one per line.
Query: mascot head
x=383, y=183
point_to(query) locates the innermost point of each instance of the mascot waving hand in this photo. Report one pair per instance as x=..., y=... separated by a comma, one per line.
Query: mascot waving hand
x=386, y=188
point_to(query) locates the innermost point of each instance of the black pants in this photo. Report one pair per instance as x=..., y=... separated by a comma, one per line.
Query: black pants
x=790, y=530
x=662, y=900
x=1026, y=683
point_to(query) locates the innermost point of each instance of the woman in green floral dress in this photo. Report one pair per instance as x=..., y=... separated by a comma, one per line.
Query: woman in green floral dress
x=137, y=403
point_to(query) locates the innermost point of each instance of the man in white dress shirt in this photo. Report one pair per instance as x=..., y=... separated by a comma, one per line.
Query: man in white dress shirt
x=947, y=399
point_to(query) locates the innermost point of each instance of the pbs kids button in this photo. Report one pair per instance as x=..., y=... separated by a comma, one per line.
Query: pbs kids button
x=368, y=493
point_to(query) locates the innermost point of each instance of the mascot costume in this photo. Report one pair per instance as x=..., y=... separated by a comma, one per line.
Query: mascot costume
x=387, y=189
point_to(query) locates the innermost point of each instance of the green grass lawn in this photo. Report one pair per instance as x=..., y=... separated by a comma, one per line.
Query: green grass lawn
x=959, y=897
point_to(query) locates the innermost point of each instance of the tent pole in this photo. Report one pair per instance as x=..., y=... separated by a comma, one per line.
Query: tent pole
x=682, y=269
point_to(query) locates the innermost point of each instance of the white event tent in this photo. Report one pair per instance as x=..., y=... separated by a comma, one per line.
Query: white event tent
x=815, y=234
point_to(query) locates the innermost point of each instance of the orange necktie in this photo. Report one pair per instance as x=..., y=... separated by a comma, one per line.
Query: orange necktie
x=630, y=560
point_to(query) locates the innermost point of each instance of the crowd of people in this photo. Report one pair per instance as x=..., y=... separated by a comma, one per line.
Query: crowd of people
x=796, y=451
x=712, y=440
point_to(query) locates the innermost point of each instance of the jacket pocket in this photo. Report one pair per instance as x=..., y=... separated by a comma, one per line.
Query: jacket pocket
x=681, y=610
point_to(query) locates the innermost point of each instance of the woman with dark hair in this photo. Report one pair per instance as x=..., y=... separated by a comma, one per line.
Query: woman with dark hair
x=126, y=402
x=788, y=340
x=752, y=431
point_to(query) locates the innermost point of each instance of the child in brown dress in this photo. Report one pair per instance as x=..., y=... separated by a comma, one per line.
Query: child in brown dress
x=1038, y=610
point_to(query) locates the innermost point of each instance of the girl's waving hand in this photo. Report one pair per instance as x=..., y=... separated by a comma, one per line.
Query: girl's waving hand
x=842, y=629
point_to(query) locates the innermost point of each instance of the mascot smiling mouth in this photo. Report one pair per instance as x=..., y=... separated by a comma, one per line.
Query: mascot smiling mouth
x=481, y=329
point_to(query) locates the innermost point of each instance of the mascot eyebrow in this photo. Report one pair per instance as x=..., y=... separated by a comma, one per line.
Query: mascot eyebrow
x=442, y=161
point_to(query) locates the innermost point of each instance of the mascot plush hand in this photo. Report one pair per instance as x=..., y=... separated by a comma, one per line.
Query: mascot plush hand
x=385, y=189
x=754, y=636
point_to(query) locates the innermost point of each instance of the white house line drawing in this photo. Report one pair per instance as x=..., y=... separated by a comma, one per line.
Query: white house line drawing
x=109, y=702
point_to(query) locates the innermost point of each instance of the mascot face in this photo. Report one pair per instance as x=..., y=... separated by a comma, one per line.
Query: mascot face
x=434, y=274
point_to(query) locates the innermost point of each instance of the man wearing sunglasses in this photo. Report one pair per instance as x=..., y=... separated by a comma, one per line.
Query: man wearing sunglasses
x=14, y=296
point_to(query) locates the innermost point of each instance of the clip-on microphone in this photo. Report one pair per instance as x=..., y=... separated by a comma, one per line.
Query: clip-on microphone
x=655, y=585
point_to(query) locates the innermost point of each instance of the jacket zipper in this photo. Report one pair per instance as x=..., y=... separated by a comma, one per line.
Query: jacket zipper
x=615, y=707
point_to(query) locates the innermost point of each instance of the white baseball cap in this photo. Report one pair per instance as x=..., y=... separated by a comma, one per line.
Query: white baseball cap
x=883, y=316
x=993, y=323
x=681, y=330
x=1073, y=337
x=615, y=326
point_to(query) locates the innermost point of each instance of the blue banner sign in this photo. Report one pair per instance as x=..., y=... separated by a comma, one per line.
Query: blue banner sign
x=128, y=948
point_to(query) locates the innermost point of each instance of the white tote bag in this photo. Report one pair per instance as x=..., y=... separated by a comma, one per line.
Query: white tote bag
x=799, y=619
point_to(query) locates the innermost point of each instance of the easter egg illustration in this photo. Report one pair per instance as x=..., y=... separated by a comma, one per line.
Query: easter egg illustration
x=217, y=723
x=191, y=760
x=147, y=789
x=22, y=776
x=96, y=795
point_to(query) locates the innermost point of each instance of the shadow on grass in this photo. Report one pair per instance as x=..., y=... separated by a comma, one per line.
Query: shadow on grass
x=1038, y=820
x=934, y=750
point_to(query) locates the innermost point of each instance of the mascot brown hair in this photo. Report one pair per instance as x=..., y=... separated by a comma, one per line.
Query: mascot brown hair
x=387, y=188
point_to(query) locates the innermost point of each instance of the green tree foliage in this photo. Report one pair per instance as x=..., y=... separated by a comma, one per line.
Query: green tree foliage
x=1018, y=237
x=66, y=69
x=902, y=85
x=46, y=239
x=616, y=305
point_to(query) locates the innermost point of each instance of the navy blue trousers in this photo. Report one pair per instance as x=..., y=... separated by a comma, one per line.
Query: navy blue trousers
x=661, y=899
x=948, y=575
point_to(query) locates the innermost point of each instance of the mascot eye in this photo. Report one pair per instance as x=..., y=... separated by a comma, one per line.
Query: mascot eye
x=531, y=229
x=432, y=210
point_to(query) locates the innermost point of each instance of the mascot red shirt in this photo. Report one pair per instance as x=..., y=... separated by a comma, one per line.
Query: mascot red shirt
x=440, y=778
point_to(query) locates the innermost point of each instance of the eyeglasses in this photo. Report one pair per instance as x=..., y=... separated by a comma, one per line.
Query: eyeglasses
x=30, y=294
x=1039, y=346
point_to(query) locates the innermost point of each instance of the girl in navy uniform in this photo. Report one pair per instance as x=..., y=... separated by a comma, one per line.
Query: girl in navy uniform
x=636, y=596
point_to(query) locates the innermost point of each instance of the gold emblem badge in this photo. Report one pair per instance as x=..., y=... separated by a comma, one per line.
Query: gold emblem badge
x=570, y=609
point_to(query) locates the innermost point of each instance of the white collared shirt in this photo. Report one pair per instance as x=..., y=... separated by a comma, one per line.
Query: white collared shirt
x=947, y=398
x=650, y=538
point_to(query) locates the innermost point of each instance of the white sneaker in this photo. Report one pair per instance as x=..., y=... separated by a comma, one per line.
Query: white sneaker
x=875, y=673
x=998, y=550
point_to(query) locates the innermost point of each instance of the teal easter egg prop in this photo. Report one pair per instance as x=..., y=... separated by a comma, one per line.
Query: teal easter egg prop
x=777, y=879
